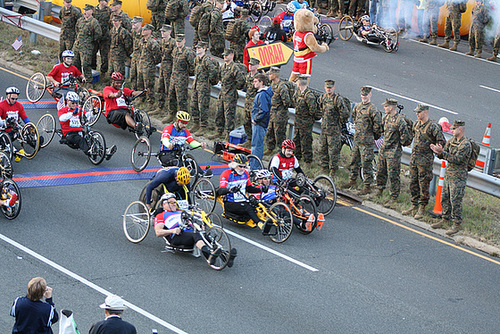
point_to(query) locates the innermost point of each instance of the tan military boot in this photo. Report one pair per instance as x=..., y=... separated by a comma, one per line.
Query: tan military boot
x=218, y=135
x=366, y=190
x=454, y=47
x=411, y=211
x=440, y=223
x=390, y=202
x=350, y=184
x=420, y=213
x=202, y=131
x=332, y=174
x=454, y=229
x=423, y=40
x=445, y=45
x=433, y=41
x=331, y=13
x=478, y=53
x=378, y=193
x=492, y=58
x=470, y=53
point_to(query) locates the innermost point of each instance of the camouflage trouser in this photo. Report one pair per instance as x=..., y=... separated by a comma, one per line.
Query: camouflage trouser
x=452, y=199
x=247, y=122
x=65, y=44
x=196, y=37
x=362, y=156
x=356, y=7
x=452, y=23
x=200, y=103
x=389, y=166
x=178, y=26
x=83, y=60
x=203, y=37
x=303, y=142
x=476, y=38
x=496, y=45
x=420, y=179
x=238, y=51
x=117, y=63
x=276, y=131
x=163, y=84
x=333, y=5
x=178, y=93
x=158, y=19
x=217, y=44
x=147, y=77
x=103, y=47
x=330, y=146
x=430, y=24
x=226, y=110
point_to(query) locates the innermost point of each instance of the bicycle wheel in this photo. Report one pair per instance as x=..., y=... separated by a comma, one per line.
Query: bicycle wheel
x=203, y=195
x=10, y=192
x=142, y=117
x=141, y=153
x=265, y=22
x=392, y=42
x=6, y=145
x=255, y=12
x=6, y=171
x=326, y=30
x=97, y=150
x=215, y=220
x=83, y=94
x=346, y=28
x=92, y=110
x=46, y=127
x=218, y=239
x=306, y=207
x=190, y=163
x=325, y=194
x=30, y=140
x=284, y=221
x=136, y=222
x=35, y=88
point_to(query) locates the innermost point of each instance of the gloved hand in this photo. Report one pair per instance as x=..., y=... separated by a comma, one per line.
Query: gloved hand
x=264, y=188
x=75, y=112
x=235, y=189
x=222, y=191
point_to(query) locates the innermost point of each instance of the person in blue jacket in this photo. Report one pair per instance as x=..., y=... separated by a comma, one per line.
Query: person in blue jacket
x=260, y=116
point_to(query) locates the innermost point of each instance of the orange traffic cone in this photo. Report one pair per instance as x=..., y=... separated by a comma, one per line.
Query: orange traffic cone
x=438, y=210
x=486, y=141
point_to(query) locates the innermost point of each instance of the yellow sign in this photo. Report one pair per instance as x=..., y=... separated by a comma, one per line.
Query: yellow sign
x=273, y=54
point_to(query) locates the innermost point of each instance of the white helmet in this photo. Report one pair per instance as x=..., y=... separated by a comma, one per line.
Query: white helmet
x=72, y=96
x=12, y=90
x=290, y=7
x=166, y=197
x=263, y=173
x=68, y=53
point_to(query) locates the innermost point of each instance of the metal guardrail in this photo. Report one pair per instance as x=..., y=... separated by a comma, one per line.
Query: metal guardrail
x=30, y=24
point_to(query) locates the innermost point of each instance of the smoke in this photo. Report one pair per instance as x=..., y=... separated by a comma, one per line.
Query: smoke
x=493, y=28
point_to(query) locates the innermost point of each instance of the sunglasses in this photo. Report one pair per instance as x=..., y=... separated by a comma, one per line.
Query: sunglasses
x=14, y=98
x=241, y=166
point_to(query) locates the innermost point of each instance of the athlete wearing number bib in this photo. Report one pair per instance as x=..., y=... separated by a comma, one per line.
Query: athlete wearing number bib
x=72, y=127
x=116, y=108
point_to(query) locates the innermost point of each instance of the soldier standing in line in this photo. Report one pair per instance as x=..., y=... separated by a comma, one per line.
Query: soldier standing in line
x=389, y=158
x=204, y=24
x=216, y=34
x=426, y=132
x=334, y=112
x=496, y=44
x=136, y=53
x=116, y=7
x=231, y=79
x=452, y=23
x=243, y=28
x=476, y=34
x=176, y=12
x=157, y=8
x=457, y=152
x=88, y=32
x=121, y=46
x=167, y=46
x=102, y=13
x=431, y=16
x=368, y=125
x=150, y=56
x=68, y=15
x=280, y=102
x=182, y=65
x=200, y=97
x=251, y=91
x=306, y=113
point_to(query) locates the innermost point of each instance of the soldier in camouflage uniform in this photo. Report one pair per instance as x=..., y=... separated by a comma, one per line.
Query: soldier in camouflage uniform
x=452, y=23
x=496, y=44
x=68, y=15
x=306, y=112
x=167, y=46
x=203, y=28
x=251, y=91
x=431, y=16
x=102, y=13
x=182, y=66
x=457, y=152
x=136, y=53
x=389, y=158
x=121, y=46
x=116, y=7
x=200, y=98
x=334, y=112
x=426, y=132
x=88, y=32
x=150, y=56
x=216, y=35
x=157, y=8
x=476, y=35
x=243, y=27
x=368, y=125
x=176, y=12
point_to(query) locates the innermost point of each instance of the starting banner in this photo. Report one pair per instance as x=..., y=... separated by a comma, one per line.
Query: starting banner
x=274, y=54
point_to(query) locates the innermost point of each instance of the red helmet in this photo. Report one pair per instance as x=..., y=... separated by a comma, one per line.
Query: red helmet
x=288, y=143
x=117, y=76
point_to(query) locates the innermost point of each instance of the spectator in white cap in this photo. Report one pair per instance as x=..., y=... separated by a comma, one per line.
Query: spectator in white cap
x=113, y=308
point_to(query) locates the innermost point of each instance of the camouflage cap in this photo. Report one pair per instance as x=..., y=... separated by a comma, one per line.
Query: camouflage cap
x=148, y=26
x=244, y=12
x=102, y=0
x=421, y=107
x=166, y=27
x=116, y=3
x=365, y=90
x=228, y=51
x=457, y=124
x=88, y=7
x=254, y=61
x=201, y=44
x=68, y=1
x=274, y=70
x=180, y=37
x=136, y=19
x=303, y=77
x=329, y=83
x=390, y=102
x=117, y=18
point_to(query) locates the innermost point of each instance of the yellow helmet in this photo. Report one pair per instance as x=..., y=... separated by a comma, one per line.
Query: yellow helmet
x=183, y=175
x=183, y=116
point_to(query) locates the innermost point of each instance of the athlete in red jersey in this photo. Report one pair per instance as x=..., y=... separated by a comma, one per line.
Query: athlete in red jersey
x=60, y=74
x=284, y=163
x=11, y=110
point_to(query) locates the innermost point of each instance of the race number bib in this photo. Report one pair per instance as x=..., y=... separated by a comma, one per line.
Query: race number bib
x=120, y=102
x=287, y=174
x=183, y=204
x=74, y=122
x=239, y=197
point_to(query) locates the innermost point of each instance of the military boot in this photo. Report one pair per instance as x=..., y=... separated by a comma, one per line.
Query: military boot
x=423, y=40
x=470, y=53
x=411, y=211
x=378, y=193
x=202, y=131
x=366, y=190
x=390, y=202
x=331, y=13
x=218, y=135
x=350, y=184
x=332, y=174
x=454, y=47
x=168, y=119
x=433, y=41
x=445, y=45
x=420, y=213
x=454, y=229
x=440, y=223
x=494, y=57
x=478, y=53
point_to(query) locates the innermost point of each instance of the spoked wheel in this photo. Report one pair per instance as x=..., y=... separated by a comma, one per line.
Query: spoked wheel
x=97, y=149
x=281, y=212
x=10, y=192
x=83, y=93
x=92, y=110
x=326, y=31
x=191, y=164
x=136, y=222
x=141, y=153
x=6, y=145
x=325, y=195
x=215, y=220
x=35, y=88
x=346, y=28
x=6, y=171
x=255, y=12
x=265, y=22
x=218, y=239
x=46, y=127
x=30, y=140
x=307, y=217
x=392, y=42
x=141, y=116
x=254, y=164
x=203, y=195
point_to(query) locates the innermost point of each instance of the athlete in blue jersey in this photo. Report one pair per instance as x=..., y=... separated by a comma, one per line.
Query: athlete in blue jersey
x=263, y=177
x=176, y=180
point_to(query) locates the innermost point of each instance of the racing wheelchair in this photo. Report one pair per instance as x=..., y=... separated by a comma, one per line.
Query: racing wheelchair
x=27, y=136
x=37, y=85
x=10, y=194
x=388, y=38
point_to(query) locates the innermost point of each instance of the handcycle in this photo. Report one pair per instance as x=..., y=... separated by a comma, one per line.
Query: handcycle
x=279, y=213
x=37, y=85
x=137, y=220
x=255, y=9
x=27, y=136
x=95, y=139
x=389, y=38
x=324, y=31
x=9, y=190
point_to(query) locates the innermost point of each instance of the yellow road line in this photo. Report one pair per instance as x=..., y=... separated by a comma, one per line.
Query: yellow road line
x=14, y=73
x=427, y=235
x=343, y=202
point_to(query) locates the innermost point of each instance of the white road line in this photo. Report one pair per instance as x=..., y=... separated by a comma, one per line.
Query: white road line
x=493, y=89
x=272, y=251
x=90, y=284
x=413, y=100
